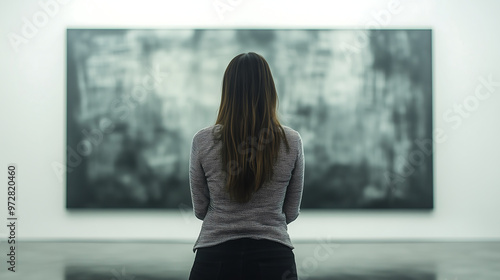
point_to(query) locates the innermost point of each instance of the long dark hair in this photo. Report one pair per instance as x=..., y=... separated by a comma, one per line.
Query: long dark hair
x=250, y=130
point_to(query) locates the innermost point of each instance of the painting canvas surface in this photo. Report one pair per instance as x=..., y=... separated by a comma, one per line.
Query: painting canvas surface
x=361, y=100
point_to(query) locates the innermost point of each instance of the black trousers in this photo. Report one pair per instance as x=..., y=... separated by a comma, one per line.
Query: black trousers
x=245, y=259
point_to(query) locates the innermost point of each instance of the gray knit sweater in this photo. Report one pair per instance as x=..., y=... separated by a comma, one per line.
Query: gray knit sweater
x=271, y=208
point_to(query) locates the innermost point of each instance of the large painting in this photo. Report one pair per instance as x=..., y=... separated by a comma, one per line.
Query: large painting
x=361, y=99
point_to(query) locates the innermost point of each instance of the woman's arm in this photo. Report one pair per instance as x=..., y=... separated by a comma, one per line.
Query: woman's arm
x=293, y=197
x=198, y=183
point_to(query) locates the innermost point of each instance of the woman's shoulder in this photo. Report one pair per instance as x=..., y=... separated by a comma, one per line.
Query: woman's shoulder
x=206, y=132
x=290, y=132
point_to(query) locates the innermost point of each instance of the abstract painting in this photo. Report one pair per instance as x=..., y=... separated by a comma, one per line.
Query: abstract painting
x=361, y=100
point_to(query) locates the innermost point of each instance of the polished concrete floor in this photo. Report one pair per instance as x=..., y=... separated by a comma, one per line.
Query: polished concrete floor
x=315, y=260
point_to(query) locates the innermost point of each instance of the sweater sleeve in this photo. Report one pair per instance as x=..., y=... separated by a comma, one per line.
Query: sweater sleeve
x=293, y=197
x=198, y=183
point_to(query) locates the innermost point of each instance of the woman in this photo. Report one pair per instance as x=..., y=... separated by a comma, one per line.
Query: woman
x=246, y=177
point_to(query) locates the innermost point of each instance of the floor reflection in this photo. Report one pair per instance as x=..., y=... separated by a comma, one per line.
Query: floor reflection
x=315, y=261
x=104, y=273
x=110, y=273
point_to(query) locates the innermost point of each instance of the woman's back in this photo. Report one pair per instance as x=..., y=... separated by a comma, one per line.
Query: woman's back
x=269, y=210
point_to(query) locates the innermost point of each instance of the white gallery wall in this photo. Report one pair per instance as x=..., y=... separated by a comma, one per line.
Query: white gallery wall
x=466, y=76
